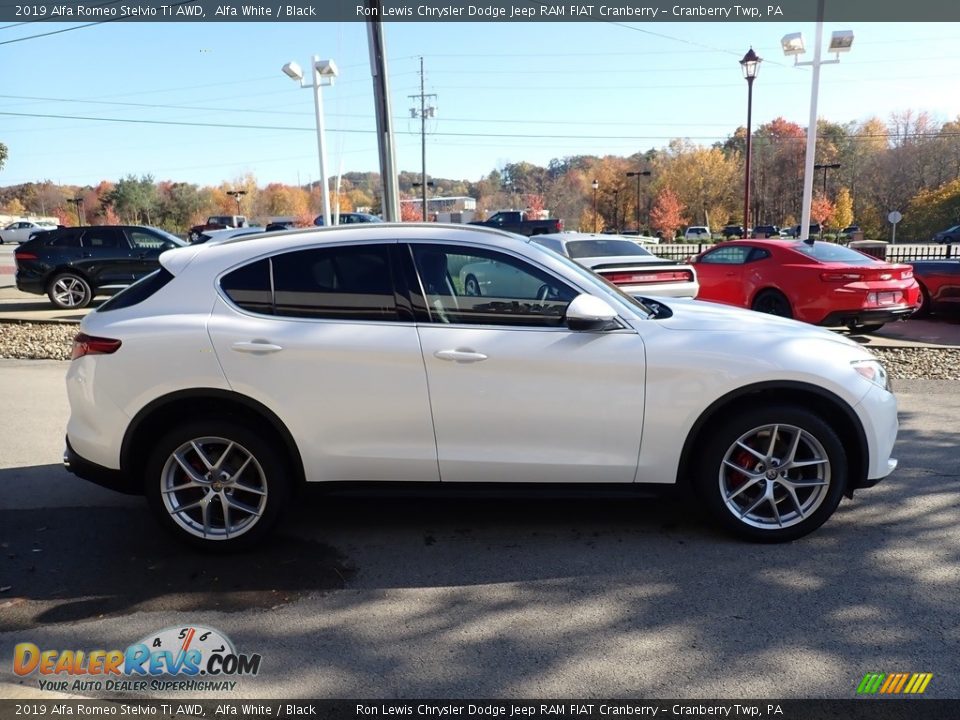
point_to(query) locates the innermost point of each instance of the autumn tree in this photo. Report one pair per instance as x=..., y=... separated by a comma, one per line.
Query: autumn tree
x=707, y=182
x=821, y=210
x=535, y=206
x=843, y=209
x=15, y=208
x=932, y=210
x=667, y=216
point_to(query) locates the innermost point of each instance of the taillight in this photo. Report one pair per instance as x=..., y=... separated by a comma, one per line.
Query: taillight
x=560, y=225
x=24, y=256
x=639, y=277
x=841, y=277
x=906, y=274
x=84, y=344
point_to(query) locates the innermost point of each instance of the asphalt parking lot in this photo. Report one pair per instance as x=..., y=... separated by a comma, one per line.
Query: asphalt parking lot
x=453, y=598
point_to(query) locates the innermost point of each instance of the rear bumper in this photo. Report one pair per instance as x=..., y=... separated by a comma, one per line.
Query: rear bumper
x=30, y=283
x=97, y=474
x=871, y=316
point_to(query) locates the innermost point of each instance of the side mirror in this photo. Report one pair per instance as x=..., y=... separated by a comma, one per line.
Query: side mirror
x=588, y=312
x=167, y=245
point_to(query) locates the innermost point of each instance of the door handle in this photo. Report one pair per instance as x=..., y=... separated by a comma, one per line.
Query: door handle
x=460, y=356
x=256, y=347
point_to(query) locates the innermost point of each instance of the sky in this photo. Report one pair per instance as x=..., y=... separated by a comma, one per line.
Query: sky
x=505, y=92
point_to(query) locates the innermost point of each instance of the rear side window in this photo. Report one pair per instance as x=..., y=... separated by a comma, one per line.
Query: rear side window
x=828, y=252
x=138, y=292
x=104, y=237
x=65, y=239
x=340, y=283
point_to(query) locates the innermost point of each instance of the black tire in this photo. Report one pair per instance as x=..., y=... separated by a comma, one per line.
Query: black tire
x=471, y=287
x=69, y=291
x=728, y=494
x=251, y=501
x=924, y=309
x=772, y=302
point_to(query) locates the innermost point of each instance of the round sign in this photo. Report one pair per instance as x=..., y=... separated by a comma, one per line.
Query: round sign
x=895, y=217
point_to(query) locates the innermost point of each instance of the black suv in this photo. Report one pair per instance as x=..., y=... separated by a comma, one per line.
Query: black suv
x=74, y=265
x=731, y=231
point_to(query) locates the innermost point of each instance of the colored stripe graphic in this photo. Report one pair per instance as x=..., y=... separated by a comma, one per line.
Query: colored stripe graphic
x=894, y=683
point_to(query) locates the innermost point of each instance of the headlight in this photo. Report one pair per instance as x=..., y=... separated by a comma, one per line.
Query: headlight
x=873, y=371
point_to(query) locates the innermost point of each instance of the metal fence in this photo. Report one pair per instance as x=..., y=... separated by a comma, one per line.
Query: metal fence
x=894, y=253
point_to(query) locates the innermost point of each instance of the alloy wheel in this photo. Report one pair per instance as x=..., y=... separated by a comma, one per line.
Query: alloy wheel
x=69, y=292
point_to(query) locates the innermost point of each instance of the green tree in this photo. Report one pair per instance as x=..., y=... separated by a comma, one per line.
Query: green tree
x=3, y=155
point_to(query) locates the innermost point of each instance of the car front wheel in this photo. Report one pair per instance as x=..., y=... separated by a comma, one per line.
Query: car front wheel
x=772, y=474
x=216, y=484
x=772, y=302
x=69, y=291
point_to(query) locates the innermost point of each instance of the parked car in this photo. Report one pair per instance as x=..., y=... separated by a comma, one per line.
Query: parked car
x=766, y=231
x=621, y=261
x=350, y=218
x=217, y=222
x=350, y=355
x=699, y=233
x=950, y=235
x=734, y=231
x=74, y=265
x=226, y=233
x=794, y=232
x=21, y=230
x=512, y=221
x=820, y=282
x=939, y=282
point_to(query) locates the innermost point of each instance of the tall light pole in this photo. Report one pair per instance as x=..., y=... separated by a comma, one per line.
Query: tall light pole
x=381, y=102
x=425, y=185
x=236, y=195
x=840, y=41
x=423, y=113
x=324, y=74
x=638, y=174
x=750, y=66
x=595, y=186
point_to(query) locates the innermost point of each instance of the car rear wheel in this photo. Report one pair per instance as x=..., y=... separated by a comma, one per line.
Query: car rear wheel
x=216, y=484
x=69, y=291
x=772, y=474
x=772, y=302
x=924, y=309
x=471, y=286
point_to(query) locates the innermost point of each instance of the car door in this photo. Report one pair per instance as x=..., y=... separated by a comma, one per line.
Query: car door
x=105, y=257
x=317, y=336
x=720, y=272
x=516, y=396
x=145, y=251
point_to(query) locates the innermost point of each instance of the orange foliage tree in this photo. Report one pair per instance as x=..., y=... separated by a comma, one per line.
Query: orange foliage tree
x=821, y=210
x=666, y=215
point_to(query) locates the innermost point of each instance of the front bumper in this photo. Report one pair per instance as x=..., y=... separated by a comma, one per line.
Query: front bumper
x=97, y=474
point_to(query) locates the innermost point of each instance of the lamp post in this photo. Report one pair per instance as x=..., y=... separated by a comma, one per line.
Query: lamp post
x=825, y=167
x=77, y=203
x=750, y=66
x=616, y=210
x=324, y=74
x=236, y=195
x=638, y=175
x=595, y=185
x=792, y=44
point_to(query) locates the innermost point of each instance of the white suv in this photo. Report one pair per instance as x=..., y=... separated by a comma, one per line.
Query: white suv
x=241, y=370
x=697, y=232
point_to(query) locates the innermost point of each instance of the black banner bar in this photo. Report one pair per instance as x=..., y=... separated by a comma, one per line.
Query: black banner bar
x=854, y=709
x=633, y=11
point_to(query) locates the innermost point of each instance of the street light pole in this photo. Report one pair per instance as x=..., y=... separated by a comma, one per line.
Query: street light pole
x=236, y=195
x=825, y=167
x=595, y=186
x=638, y=174
x=616, y=209
x=77, y=203
x=324, y=73
x=750, y=66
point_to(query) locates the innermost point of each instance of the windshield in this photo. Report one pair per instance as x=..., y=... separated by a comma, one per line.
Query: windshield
x=603, y=248
x=828, y=252
x=168, y=236
x=592, y=278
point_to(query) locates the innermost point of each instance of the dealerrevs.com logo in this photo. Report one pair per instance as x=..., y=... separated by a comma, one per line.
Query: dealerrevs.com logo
x=181, y=658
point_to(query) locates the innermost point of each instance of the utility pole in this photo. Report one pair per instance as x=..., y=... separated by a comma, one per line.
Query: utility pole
x=381, y=97
x=423, y=113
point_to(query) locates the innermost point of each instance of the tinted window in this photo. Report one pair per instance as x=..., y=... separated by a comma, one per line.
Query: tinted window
x=145, y=240
x=138, y=292
x=603, y=248
x=66, y=238
x=343, y=283
x=736, y=255
x=828, y=252
x=104, y=237
x=249, y=287
x=482, y=287
x=551, y=243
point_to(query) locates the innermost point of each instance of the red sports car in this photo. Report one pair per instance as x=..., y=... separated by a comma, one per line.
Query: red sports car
x=819, y=283
x=939, y=286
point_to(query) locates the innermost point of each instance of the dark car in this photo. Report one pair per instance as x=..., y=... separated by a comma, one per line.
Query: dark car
x=734, y=231
x=950, y=235
x=794, y=232
x=766, y=231
x=939, y=282
x=350, y=218
x=74, y=265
